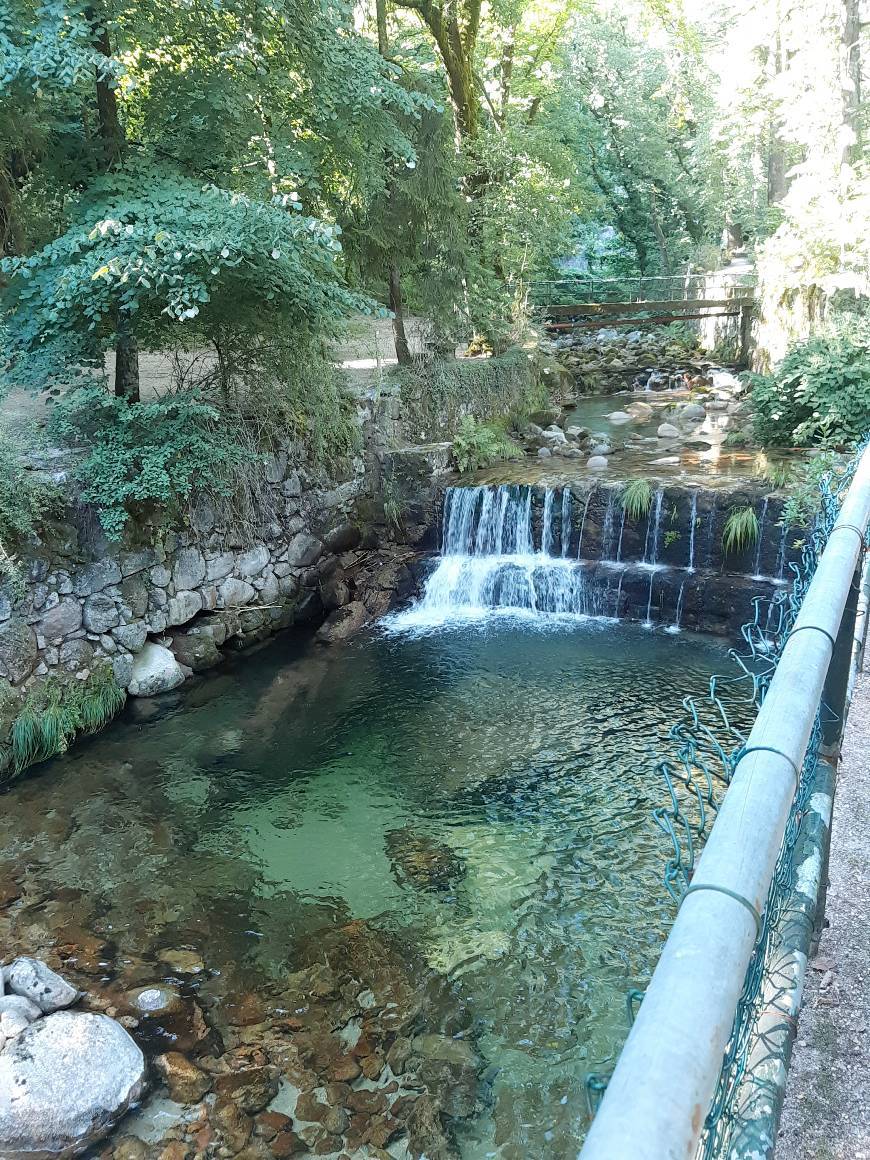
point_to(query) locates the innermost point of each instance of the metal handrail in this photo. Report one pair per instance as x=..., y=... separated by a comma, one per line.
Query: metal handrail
x=665, y=1079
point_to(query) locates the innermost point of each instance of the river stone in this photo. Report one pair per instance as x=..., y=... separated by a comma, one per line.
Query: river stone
x=251, y=563
x=197, y=652
x=75, y=655
x=155, y=670
x=64, y=1081
x=61, y=620
x=303, y=550
x=219, y=566
x=17, y=1007
x=667, y=431
x=344, y=622
x=597, y=462
x=18, y=649
x=131, y=636
x=544, y=453
x=183, y=607
x=342, y=539
x=618, y=417
x=188, y=568
x=234, y=592
x=693, y=411
x=97, y=576
x=122, y=669
x=100, y=613
x=137, y=561
x=38, y=983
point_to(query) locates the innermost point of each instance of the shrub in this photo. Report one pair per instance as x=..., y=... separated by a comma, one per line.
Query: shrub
x=820, y=392
x=478, y=445
x=26, y=499
x=148, y=453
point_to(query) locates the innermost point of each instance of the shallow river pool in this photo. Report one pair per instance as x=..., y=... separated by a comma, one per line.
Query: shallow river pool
x=476, y=800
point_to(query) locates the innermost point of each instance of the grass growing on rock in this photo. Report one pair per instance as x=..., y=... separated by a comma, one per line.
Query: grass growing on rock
x=740, y=531
x=56, y=711
x=637, y=498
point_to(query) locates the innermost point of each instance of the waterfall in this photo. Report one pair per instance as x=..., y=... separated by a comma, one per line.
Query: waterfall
x=783, y=547
x=547, y=523
x=693, y=515
x=621, y=530
x=708, y=538
x=488, y=562
x=565, y=528
x=675, y=627
x=653, y=530
x=583, y=524
x=618, y=595
x=648, y=621
x=757, y=572
x=607, y=535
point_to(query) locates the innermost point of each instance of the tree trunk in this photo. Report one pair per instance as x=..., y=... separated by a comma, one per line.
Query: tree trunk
x=113, y=144
x=126, y=366
x=661, y=240
x=381, y=18
x=850, y=82
x=403, y=351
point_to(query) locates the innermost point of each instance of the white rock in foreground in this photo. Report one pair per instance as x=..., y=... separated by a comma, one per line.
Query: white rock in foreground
x=155, y=670
x=64, y=1082
x=667, y=431
x=35, y=981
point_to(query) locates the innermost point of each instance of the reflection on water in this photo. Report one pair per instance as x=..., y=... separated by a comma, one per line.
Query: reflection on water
x=481, y=795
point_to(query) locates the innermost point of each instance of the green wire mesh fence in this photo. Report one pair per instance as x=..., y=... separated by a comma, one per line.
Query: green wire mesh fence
x=708, y=745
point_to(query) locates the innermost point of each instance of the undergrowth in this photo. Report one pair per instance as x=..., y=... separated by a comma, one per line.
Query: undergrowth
x=477, y=445
x=436, y=394
x=54, y=712
x=27, y=498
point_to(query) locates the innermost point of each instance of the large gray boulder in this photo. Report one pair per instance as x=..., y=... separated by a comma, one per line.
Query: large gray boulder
x=35, y=981
x=155, y=670
x=64, y=1082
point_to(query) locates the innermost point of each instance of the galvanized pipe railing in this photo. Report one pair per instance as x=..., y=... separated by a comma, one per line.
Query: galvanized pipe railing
x=665, y=1079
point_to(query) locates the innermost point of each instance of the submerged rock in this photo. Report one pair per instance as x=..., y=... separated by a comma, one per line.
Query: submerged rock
x=64, y=1082
x=419, y=859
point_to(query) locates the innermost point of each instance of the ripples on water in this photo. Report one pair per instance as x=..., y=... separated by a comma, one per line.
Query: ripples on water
x=287, y=792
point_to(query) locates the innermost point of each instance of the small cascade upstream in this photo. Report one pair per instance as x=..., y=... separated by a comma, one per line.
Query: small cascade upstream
x=756, y=575
x=693, y=519
x=490, y=561
x=553, y=552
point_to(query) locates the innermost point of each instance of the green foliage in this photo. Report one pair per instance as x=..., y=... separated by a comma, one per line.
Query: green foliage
x=57, y=710
x=437, y=393
x=820, y=392
x=153, y=252
x=671, y=537
x=27, y=499
x=805, y=498
x=740, y=531
x=477, y=445
x=637, y=498
x=150, y=454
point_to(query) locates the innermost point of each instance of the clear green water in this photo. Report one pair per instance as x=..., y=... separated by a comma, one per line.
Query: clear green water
x=267, y=802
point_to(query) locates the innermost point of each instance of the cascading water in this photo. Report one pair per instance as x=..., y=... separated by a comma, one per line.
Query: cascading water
x=783, y=548
x=621, y=534
x=693, y=517
x=675, y=627
x=565, y=524
x=489, y=561
x=653, y=531
x=607, y=527
x=757, y=571
x=583, y=524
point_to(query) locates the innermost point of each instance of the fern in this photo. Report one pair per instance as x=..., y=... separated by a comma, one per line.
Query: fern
x=637, y=498
x=740, y=531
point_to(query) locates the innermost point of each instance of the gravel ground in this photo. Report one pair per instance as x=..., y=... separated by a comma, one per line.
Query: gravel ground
x=827, y=1105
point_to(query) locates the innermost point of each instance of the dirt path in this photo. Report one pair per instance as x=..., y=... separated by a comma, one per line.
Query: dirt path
x=827, y=1106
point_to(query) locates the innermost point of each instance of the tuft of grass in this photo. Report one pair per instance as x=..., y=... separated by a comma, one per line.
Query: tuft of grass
x=54, y=712
x=740, y=531
x=637, y=498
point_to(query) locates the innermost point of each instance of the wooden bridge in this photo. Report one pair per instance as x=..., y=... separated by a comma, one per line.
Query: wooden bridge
x=586, y=303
